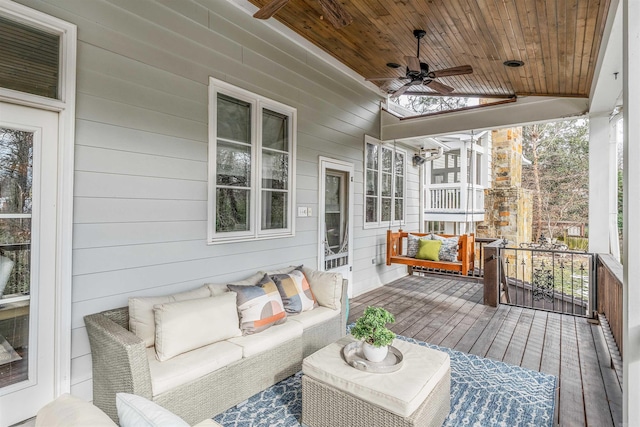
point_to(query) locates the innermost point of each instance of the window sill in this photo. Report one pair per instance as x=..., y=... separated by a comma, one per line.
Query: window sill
x=220, y=241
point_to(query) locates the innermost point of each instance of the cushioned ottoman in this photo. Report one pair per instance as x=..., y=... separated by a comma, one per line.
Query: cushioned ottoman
x=335, y=394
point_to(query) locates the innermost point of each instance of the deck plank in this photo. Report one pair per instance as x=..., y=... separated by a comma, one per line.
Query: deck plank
x=448, y=311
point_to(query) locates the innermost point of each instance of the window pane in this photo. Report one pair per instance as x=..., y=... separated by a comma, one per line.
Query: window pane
x=372, y=209
x=275, y=130
x=233, y=164
x=30, y=59
x=399, y=186
x=16, y=171
x=15, y=249
x=332, y=193
x=275, y=170
x=232, y=213
x=386, y=209
x=387, y=160
x=372, y=183
x=274, y=210
x=372, y=156
x=234, y=119
x=386, y=184
x=399, y=210
x=399, y=164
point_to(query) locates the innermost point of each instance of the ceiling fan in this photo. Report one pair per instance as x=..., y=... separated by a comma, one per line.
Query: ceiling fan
x=333, y=11
x=418, y=73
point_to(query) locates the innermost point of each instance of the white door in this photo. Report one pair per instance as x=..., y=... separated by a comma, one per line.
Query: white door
x=336, y=218
x=28, y=186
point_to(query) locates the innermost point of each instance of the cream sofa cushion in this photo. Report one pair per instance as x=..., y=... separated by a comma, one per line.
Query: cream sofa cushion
x=313, y=317
x=268, y=339
x=326, y=287
x=187, y=325
x=221, y=288
x=400, y=392
x=191, y=365
x=141, y=318
x=70, y=411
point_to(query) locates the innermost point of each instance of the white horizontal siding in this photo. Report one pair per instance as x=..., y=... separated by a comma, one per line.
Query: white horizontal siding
x=140, y=211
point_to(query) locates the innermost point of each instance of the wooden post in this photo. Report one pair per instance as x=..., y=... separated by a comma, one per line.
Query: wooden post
x=491, y=274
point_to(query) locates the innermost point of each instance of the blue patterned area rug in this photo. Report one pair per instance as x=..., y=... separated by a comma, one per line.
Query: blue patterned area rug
x=484, y=392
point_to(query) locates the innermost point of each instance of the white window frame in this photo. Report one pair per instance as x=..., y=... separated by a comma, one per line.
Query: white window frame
x=258, y=104
x=395, y=222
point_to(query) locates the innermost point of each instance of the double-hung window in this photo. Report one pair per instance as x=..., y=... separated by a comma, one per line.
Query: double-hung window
x=385, y=184
x=251, y=165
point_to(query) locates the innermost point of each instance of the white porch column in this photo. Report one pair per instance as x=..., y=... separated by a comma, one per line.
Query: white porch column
x=631, y=234
x=599, y=179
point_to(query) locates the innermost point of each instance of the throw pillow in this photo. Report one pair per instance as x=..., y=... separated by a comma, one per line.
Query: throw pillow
x=428, y=249
x=259, y=306
x=141, y=320
x=187, y=325
x=136, y=411
x=326, y=287
x=295, y=291
x=449, y=248
x=412, y=245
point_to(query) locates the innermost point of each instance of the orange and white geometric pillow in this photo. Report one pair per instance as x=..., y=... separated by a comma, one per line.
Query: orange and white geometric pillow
x=259, y=306
x=295, y=292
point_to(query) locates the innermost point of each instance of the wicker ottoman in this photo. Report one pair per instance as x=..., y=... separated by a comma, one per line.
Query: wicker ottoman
x=335, y=394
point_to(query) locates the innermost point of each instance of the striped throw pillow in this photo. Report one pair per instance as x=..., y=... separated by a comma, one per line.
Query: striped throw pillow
x=259, y=306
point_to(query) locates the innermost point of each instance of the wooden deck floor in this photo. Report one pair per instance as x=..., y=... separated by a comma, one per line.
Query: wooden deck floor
x=449, y=312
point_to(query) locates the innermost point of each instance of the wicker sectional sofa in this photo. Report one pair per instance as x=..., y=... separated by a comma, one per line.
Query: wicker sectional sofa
x=123, y=362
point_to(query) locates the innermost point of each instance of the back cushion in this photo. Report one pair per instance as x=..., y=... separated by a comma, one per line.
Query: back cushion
x=326, y=287
x=221, y=288
x=187, y=325
x=141, y=321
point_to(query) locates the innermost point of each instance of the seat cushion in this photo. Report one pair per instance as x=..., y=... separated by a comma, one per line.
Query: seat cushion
x=70, y=411
x=136, y=411
x=400, y=392
x=314, y=317
x=266, y=340
x=141, y=318
x=191, y=365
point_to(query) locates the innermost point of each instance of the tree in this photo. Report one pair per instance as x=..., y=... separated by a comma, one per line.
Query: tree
x=431, y=104
x=558, y=175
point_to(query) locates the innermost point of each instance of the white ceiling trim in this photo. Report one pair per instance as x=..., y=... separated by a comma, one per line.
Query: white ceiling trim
x=525, y=110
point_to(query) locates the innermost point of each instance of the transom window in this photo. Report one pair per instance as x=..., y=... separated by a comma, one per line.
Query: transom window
x=385, y=183
x=251, y=158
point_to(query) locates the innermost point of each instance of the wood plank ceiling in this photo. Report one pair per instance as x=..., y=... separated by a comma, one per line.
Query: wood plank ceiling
x=558, y=41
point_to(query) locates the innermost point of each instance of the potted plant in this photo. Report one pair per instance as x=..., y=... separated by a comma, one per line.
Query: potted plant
x=371, y=329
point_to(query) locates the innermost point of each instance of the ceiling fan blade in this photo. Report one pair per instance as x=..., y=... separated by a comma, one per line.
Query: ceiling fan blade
x=439, y=87
x=335, y=13
x=401, y=90
x=413, y=63
x=453, y=71
x=385, y=87
x=270, y=9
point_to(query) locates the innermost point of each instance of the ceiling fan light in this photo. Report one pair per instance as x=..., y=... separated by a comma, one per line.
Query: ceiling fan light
x=393, y=65
x=513, y=63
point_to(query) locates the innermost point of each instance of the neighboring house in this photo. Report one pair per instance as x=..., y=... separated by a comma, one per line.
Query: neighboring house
x=177, y=143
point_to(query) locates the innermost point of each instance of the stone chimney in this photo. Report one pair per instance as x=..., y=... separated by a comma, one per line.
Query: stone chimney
x=508, y=207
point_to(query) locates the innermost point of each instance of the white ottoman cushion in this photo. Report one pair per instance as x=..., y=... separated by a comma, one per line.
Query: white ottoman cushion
x=400, y=392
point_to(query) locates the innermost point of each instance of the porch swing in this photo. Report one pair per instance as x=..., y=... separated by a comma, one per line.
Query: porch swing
x=396, y=246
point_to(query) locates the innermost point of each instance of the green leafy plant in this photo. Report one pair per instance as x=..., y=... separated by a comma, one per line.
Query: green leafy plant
x=371, y=327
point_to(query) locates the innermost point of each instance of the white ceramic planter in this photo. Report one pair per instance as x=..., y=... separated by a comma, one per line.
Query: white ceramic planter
x=374, y=354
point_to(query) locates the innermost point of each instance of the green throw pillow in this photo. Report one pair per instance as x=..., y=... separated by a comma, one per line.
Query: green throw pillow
x=428, y=249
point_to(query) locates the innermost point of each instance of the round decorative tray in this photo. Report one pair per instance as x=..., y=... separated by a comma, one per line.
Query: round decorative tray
x=352, y=354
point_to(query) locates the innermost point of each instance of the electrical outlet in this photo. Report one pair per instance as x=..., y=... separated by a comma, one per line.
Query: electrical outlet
x=302, y=211
x=373, y=261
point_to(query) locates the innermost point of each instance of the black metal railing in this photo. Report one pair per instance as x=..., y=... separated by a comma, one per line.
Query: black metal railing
x=555, y=280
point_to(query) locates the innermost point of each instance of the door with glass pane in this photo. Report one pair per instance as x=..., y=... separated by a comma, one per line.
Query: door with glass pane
x=28, y=184
x=336, y=220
